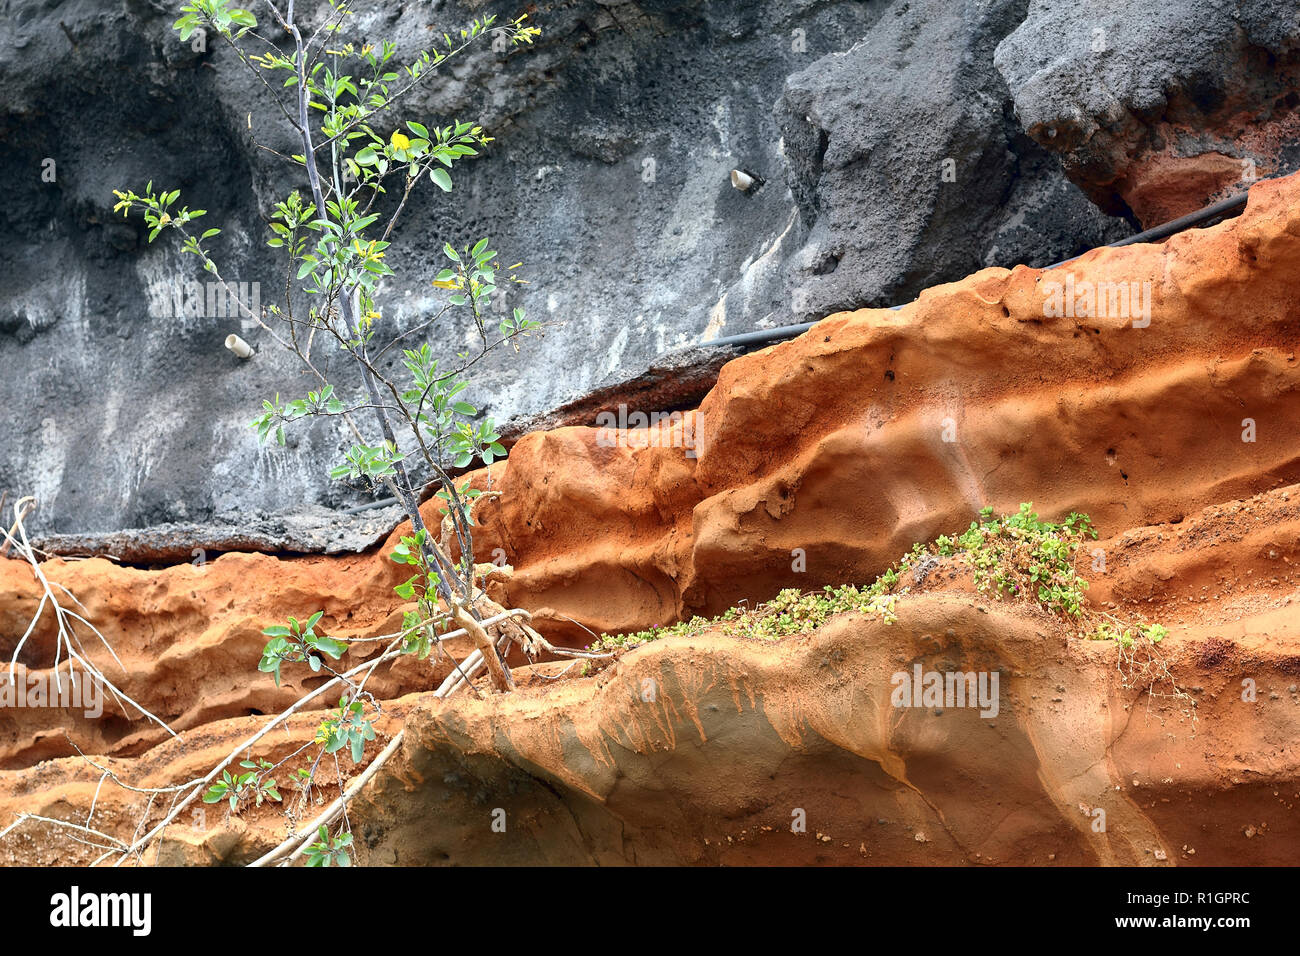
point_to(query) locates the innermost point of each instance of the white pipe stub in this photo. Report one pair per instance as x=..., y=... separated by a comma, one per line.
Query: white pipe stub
x=742, y=180
x=237, y=345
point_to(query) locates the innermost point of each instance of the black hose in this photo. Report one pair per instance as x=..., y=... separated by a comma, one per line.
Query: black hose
x=1183, y=222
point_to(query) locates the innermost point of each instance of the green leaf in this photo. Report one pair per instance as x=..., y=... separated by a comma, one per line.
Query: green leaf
x=186, y=25
x=440, y=177
x=334, y=648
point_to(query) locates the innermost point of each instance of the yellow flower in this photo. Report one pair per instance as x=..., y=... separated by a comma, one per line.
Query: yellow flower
x=399, y=141
x=447, y=284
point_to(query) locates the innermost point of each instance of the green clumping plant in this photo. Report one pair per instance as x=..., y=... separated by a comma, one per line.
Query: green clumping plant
x=1127, y=635
x=1020, y=554
x=1155, y=633
x=1017, y=557
x=696, y=625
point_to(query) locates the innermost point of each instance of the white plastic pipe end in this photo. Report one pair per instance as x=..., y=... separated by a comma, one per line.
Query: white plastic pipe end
x=237, y=345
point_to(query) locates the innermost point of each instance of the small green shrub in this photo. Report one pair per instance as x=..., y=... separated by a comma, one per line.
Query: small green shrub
x=1020, y=554
x=360, y=162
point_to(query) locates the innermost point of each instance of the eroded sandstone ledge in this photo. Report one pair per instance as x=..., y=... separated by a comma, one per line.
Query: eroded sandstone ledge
x=739, y=736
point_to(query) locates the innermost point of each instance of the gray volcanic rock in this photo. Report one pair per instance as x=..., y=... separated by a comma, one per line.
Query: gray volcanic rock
x=909, y=169
x=1155, y=106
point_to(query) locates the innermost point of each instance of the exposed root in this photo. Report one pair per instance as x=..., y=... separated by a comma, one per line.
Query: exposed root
x=64, y=619
x=1141, y=665
x=500, y=674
